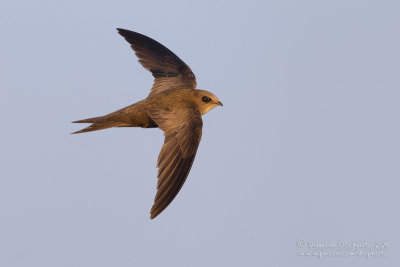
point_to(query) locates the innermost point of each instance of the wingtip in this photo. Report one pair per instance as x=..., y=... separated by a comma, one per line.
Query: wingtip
x=128, y=33
x=122, y=31
x=152, y=214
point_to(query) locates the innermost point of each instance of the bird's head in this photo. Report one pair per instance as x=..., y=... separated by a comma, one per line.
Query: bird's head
x=206, y=101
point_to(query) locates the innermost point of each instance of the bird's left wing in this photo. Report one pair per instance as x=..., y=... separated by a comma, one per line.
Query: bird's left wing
x=182, y=130
x=168, y=70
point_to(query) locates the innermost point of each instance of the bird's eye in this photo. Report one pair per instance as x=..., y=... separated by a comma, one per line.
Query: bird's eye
x=205, y=99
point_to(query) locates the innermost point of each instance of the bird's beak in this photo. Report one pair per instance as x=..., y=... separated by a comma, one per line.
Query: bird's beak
x=219, y=103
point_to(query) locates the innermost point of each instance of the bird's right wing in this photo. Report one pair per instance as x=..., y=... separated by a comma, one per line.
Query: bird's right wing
x=169, y=71
x=182, y=130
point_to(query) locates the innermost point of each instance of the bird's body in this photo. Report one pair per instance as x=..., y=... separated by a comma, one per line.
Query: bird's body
x=136, y=115
x=173, y=105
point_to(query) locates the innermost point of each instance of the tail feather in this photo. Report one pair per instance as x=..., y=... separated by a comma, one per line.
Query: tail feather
x=90, y=120
x=98, y=123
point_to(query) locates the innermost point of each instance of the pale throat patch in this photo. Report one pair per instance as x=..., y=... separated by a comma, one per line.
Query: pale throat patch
x=206, y=109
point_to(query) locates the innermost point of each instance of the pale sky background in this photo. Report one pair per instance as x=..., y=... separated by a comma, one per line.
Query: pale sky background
x=306, y=146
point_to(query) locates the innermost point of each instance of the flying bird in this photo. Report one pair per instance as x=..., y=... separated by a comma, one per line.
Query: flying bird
x=174, y=105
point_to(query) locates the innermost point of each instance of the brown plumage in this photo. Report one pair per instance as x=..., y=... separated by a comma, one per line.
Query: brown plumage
x=173, y=105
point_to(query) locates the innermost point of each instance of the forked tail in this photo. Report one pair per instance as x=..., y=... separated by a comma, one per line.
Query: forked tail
x=98, y=123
